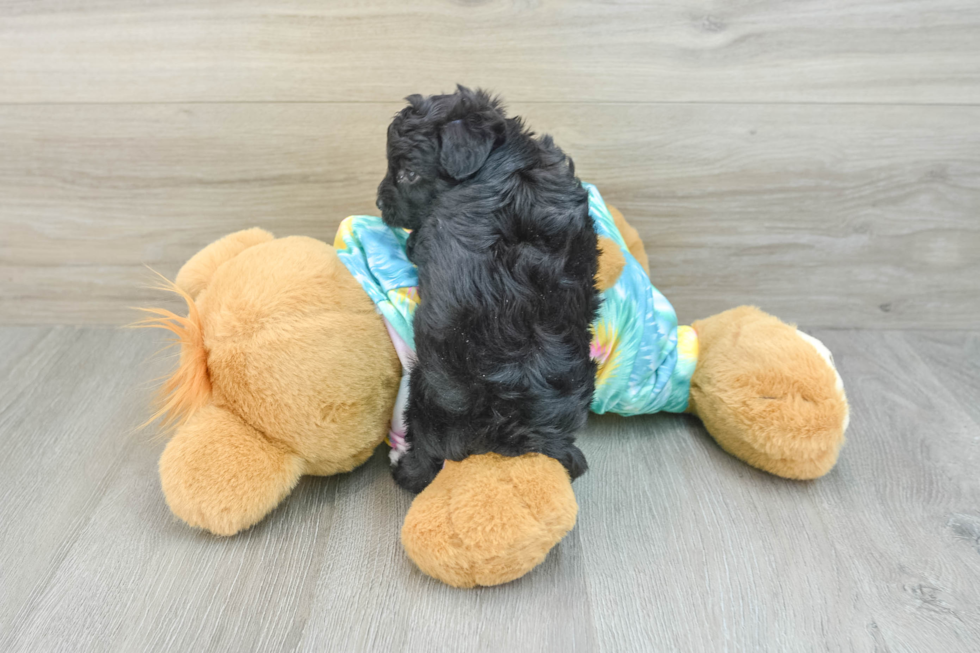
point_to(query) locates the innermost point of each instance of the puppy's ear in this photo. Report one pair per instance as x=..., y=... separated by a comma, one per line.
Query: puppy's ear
x=466, y=143
x=465, y=147
x=416, y=101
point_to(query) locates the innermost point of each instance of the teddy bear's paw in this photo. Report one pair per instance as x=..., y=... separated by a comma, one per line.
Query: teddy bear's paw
x=829, y=359
x=221, y=475
x=489, y=519
x=768, y=394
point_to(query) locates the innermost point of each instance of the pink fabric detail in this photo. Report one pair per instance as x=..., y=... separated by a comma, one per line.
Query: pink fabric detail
x=405, y=353
x=397, y=431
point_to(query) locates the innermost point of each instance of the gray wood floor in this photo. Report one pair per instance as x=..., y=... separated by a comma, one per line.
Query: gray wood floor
x=819, y=158
x=678, y=546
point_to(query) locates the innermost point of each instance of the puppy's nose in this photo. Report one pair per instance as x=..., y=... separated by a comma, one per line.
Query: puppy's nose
x=380, y=204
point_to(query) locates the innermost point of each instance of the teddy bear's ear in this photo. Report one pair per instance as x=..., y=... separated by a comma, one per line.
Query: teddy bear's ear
x=197, y=272
x=222, y=475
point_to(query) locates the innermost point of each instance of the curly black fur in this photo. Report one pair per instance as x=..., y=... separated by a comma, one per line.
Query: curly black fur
x=507, y=256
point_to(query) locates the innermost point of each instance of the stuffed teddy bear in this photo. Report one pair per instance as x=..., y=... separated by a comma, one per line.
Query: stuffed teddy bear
x=292, y=358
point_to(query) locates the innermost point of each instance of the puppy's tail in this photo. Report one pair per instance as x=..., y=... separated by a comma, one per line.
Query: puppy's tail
x=189, y=387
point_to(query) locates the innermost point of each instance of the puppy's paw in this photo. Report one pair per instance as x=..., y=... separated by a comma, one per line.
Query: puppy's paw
x=414, y=472
x=572, y=458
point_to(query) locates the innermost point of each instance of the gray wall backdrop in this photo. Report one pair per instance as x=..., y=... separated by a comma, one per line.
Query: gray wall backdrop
x=818, y=159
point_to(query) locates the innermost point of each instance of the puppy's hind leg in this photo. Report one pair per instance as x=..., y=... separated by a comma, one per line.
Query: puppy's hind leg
x=570, y=456
x=415, y=470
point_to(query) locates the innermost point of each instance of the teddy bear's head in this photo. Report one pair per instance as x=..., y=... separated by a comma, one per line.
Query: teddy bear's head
x=286, y=369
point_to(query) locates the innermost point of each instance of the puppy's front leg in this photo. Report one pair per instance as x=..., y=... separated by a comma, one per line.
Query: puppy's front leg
x=415, y=469
x=413, y=238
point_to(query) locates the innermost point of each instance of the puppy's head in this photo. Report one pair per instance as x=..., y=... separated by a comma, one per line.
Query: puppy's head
x=435, y=143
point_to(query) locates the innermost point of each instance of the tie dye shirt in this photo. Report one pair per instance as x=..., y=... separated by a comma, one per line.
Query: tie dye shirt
x=645, y=361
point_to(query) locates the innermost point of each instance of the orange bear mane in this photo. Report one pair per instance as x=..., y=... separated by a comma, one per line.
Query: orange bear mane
x=189, y=387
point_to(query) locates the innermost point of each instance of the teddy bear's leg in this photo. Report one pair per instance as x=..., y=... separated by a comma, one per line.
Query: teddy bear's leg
x=489, y=519
x=222, y=475
x=767, y=394
x=195, y=275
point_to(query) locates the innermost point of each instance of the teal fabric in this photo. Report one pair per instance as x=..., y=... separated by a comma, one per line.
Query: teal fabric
x=375, y=254
x=635, y=338
x=641, y=368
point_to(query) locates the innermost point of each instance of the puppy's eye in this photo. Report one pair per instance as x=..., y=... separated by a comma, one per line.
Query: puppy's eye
x=407, y=175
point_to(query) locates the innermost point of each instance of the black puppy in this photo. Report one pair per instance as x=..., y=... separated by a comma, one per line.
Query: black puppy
x=507, y=256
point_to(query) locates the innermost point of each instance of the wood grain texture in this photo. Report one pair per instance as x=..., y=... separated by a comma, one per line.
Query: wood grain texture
x=908, y=51
x=819, y=158
x=69, y=404
x=875, y=556
x=955, y=362
x=678, y=546
x=825, y=215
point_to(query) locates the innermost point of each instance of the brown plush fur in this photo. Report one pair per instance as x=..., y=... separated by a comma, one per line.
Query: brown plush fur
x=489, y=519
x=611, y=263
x=301, y=377
x=287, y=369
x=767, y=396
x=307, y=362
x=633, y=241
x=221, y=474
x=198, y=272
